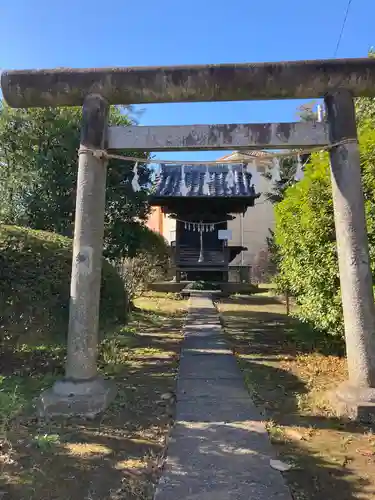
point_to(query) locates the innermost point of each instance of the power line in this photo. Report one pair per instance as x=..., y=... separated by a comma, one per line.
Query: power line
x=342, y=27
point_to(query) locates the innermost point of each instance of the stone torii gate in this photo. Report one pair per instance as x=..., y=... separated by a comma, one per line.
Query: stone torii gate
x=82, y=391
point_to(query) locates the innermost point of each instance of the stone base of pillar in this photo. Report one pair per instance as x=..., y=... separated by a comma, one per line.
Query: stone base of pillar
x=357, y=403
x=70, y=398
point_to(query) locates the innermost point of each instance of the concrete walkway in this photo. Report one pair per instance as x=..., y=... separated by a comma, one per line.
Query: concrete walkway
x=219, y=448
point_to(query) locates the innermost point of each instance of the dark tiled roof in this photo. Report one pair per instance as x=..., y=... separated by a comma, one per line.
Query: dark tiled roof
x=168, y=182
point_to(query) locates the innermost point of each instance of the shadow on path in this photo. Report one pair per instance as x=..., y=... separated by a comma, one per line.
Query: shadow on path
x=282, y=362
x=120, y=450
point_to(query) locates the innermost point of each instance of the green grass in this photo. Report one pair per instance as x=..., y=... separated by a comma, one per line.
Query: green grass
x=118, y=453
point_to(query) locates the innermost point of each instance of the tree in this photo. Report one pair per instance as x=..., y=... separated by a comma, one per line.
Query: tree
x=289, y=165
x=38, y=173
x=365, y=106
x=306, y=112
x=304, y=236
x=306, y=241
x=288, y=170
x=149, y=265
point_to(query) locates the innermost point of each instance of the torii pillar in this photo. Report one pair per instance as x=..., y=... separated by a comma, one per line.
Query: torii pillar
x=356, y=397
x=83, y=391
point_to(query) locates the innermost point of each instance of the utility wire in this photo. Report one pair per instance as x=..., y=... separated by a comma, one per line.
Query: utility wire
x=342, y=27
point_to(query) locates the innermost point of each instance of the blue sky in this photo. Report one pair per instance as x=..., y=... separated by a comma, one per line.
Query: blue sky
x=94, y=33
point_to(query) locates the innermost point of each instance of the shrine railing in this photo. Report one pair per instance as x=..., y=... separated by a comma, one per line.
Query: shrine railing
x=190, y=256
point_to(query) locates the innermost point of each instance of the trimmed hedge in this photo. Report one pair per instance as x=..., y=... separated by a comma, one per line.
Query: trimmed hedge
x=35, y=269
x=306, y=238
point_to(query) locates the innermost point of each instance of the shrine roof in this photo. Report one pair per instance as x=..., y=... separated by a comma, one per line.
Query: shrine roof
x=205, y=181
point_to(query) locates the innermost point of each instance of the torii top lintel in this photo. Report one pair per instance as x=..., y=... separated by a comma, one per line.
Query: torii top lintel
x=221, y=82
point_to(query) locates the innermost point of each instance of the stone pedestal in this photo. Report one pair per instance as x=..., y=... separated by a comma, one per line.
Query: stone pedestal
x=69, y=398
x=357, y=403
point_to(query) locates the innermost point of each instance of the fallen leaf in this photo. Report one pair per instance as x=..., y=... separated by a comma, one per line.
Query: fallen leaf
x=280, y=466
x=365, y=453
x=167, y=395
x=293, y=434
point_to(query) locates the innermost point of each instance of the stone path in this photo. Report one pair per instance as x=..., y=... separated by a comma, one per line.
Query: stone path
x=219, y=448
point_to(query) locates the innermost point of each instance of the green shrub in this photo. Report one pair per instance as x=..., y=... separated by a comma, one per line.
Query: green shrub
x=306, y=241
x=202, y=285
x=149, y=264
x=35, y=269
